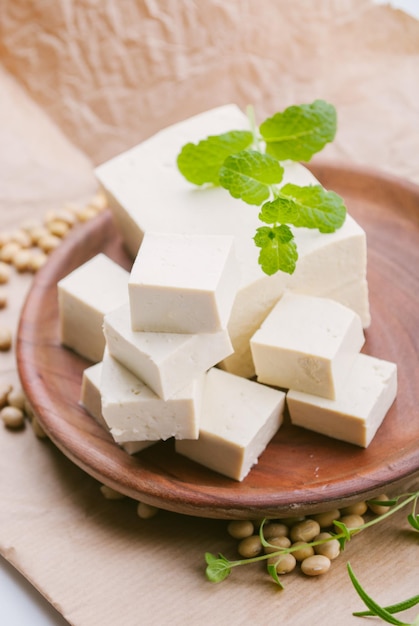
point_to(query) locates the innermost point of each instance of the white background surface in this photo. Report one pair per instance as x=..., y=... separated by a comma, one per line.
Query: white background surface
x=20, y=603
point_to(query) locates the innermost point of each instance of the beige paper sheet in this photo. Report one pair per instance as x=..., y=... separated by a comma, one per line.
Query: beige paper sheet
x=110, y=74
x=83, y=80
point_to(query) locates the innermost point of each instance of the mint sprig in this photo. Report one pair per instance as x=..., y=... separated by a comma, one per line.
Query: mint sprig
x=248, y=165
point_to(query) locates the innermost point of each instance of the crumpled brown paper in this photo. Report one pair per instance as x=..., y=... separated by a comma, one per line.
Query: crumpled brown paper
x=110, y=74
x=81, y=81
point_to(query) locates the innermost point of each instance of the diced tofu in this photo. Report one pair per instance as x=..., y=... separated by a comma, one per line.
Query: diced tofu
x=239, y=417
x=360, y=407
x=133, y=412
x=84, y=297
x=90, y=392
x=90, y=399
x=141, y=203
x=183, y=283
x=307, y=344
x=165, y=362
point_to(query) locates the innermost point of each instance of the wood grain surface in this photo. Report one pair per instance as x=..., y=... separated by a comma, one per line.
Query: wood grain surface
x=300, y=471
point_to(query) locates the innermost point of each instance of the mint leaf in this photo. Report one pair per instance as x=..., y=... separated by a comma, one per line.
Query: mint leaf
x=218, y=568
x=278, y=249
x=309, y=207
x=299, y=131
x=200, y=163
x=249, y=174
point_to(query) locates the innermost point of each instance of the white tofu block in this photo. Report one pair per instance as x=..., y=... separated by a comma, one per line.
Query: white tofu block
x=133, y=412
x=140, y=202
x=84, y=297
x=360, y=407
x=308, y=344
x=183, y=283
x=90, y=392
x=91, y=401
x=165, y=362
x=238, y=419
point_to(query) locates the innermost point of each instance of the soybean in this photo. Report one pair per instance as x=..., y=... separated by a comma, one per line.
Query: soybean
x=8, y=251
x=331, y=548
x=59, y=228
x=16, y=398
x=37, y=260
x=240, y=529
x=87, y=213
x=351, y=521
x=326, y=519
x=315, y=565
x=5, y=339
x=302, y=552
x=250, y=547
x=5, y=389
x=111, y=494
x=305, y=531
x=12, y=417
x=37, y=428
x=359, y=508
x=4, y=273
x=284, y=563
x=146, y=511
x=37, y=233
x=21, y=237
x=21, y=260
x=49, y=243
x=275, y=529
x=276, y=543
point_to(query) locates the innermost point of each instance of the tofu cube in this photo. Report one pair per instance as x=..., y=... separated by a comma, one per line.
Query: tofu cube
x=308, y=344
x=165, y=362
x=238, y=419
x=183, y=283
x=91, y=401
x=360, y=407
x=90, y=392
x=84, y=297
x=133, y=412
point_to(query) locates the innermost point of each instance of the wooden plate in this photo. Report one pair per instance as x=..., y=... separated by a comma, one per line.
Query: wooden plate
x=300, y=472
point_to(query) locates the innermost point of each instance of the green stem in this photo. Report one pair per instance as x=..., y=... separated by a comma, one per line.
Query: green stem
x=250, y=112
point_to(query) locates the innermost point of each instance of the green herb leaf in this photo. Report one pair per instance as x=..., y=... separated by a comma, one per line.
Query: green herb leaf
x=386, y=503
x=309, y=207
x=200, y=163
x=299, y=131
x=375, y=608
x=393, y=608
x=278, y=249
x=274, y=574
x=345, y=532
x=413, y=521
x=249, y=174
x=218, y=568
